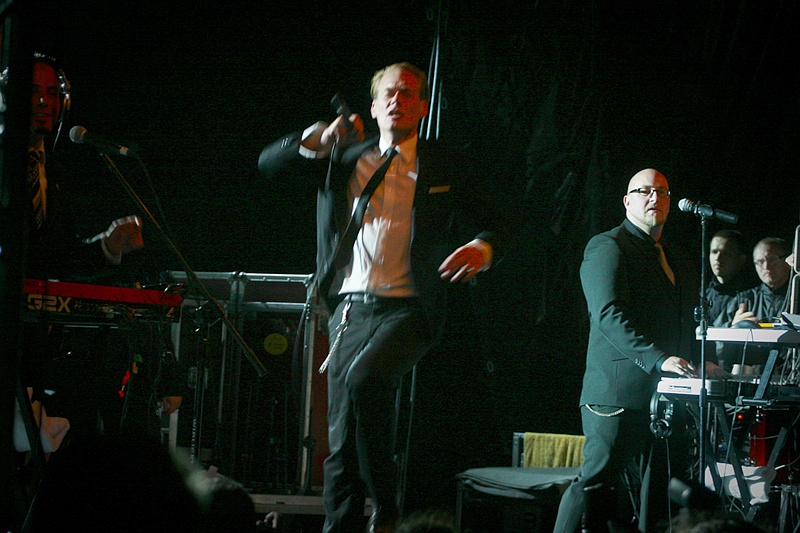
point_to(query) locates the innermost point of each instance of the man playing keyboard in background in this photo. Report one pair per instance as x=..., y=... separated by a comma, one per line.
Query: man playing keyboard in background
x=56, y=252
x=728, y=257
x=761, y=304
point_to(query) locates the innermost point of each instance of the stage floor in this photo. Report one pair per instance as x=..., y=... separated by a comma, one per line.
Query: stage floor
x=288, y=504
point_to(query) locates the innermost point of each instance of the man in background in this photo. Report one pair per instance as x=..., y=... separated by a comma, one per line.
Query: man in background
x=765, y=302
x=83, y=370
x=55, y=250
x=761, y=304
x=730, y=269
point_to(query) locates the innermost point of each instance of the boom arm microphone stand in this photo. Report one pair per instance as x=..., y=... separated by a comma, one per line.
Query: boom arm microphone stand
x=195, y=282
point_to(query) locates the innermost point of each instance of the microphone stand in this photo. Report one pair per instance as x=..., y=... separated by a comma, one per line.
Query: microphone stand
x=195, y=281
x=703, y=318
x=203, y=327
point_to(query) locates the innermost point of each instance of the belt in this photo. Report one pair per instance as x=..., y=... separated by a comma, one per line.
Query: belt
x=369, y=298
x=361, y=298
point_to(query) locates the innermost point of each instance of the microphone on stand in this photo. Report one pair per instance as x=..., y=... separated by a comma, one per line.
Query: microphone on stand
x=79, y=135
x=706, y=211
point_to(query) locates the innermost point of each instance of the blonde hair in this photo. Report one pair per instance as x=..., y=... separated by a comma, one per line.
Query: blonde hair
x=424, y=91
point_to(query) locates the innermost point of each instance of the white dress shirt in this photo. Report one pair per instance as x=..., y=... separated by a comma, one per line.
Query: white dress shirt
x=381, y=261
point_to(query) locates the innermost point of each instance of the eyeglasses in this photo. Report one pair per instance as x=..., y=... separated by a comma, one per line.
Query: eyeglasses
x=648, y=191
x=768, y=261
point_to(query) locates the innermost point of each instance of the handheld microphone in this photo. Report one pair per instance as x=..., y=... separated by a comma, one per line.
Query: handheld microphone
x=706, y=211
x=78, y=134
x=340, y=106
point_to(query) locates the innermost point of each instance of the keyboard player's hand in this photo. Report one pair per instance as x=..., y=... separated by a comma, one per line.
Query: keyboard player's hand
x=679, y=366
x=124, y=235
x=743, y=314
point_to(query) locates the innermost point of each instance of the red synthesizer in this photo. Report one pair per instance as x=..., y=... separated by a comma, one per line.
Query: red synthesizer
x=66, y=302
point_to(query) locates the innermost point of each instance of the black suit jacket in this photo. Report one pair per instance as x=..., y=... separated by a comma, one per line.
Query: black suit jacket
x=636, y=315
x=450, y=209
x=56, y=250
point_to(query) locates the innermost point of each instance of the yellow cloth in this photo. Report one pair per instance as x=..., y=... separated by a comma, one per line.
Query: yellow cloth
x=548, y=450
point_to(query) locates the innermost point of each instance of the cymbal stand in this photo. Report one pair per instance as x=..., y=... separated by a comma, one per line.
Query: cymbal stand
x=790, y=508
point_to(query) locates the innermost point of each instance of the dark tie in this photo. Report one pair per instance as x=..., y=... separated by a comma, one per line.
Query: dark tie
x=34, y=185
x=344, y=249
x=662, y=257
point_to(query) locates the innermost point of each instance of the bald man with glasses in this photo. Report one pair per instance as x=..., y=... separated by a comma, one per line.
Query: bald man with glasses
x=640, y=295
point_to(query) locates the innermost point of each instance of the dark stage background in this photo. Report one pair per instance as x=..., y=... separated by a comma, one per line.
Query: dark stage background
x=561, y=100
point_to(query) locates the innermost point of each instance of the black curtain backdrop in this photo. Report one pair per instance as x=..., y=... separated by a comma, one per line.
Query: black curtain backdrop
x=562, y=100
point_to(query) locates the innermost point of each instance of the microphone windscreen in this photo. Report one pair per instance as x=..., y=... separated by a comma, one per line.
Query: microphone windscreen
x=77, y=133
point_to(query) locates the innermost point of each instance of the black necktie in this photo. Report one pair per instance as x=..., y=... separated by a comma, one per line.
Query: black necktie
x=662, y=257
x=34, y=186
x=344, y=249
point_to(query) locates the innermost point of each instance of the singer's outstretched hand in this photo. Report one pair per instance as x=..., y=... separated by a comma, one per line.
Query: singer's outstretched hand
x=463, y=264
x=343, y=130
